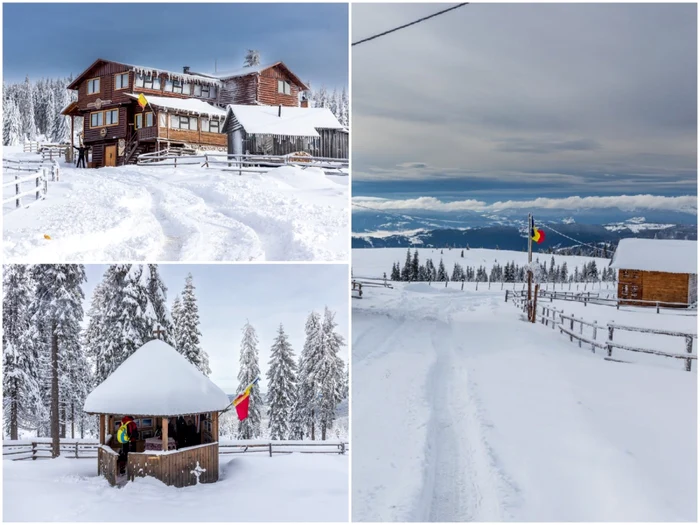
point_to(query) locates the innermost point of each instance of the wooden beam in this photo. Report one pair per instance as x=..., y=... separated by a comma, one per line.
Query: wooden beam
x=215, y=426
x=102, y=429
x=164, y=425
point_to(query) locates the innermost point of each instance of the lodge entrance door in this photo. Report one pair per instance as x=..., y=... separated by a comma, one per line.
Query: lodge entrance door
x=110, y=155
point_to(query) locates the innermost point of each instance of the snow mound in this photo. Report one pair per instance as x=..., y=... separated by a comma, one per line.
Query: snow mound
x=156, y=381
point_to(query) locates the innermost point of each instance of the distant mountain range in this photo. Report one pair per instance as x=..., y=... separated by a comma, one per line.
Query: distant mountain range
x=514, y=236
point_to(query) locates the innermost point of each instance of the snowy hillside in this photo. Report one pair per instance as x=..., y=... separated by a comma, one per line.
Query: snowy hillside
x=480, y=416
x=185, y=213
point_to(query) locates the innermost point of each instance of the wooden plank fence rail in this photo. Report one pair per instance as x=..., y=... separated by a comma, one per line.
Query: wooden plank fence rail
x=548, y=315
x=32, y=165
x=43, y=450
x=40, y=187
x=272, y=448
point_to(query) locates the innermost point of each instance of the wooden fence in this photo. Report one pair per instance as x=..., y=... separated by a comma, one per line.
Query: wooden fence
x=240, y=163
x=43, y=450
x=550, y=316
x=32, y=165
x=86, y=450
x=179, y=468
x=36, y=180
x=108, y=464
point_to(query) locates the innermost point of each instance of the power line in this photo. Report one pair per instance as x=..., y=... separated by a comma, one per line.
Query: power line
x=409, y=24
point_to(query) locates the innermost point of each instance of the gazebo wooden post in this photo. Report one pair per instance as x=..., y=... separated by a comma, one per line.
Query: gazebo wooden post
x=215, y=426
x=72, y=123
x=164, y=425
x=102, y=429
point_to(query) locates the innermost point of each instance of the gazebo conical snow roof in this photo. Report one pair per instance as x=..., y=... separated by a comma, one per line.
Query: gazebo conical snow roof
x=156, y=380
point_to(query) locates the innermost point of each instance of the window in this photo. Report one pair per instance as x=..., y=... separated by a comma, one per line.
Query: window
x=112, y=117
x=93, y=86
x=121, y=81
x=96, y=119
x=147, y=82
x=197, y=90
x=168, y=85
x=177, y=86
x=149, y=120
x=204, y=91
x=139, y=120
x=186, y=88
x=212, y=126
x=284, y=87
x=178, y=122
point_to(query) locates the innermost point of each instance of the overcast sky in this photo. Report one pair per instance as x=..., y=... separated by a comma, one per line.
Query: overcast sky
x=581, y=96
x=58, y=39
x=264, y=294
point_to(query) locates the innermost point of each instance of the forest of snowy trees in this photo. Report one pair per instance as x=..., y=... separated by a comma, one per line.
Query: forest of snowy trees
x=51, y=363
x=413, y=271
x=33, y=109
x=302, y=394
x=55, y=354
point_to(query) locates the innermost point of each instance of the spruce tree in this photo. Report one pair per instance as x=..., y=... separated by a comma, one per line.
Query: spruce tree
x=249, y=371
x=306, y=409
x=281, y=386
x=329, y=371
x=252, y=58
x=187, y=329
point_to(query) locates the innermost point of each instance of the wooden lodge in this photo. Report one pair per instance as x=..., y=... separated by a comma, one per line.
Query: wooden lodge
x=651, y=270
x=184, y=110
x=279, y=130
x=176, y=409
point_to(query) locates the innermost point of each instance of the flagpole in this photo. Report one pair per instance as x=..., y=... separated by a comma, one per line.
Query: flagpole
x=529, y=270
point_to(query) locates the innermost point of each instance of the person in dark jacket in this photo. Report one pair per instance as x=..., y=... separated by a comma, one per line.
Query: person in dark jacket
x=181, y=430
x=130, y=445
x=82, y=154
x=192, y=437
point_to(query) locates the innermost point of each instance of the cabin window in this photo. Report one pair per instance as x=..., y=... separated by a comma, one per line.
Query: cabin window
x=96, y=119
x=147, y=81
x=204, y=91
x=197, y=90
x=168, y=84
x=179, y=122
x=121, y=81
x=186, y=88
x=93, y=86
x=112, y=117
x=162, y=120
x=177, y=87
x=149, y=120
x=138, y=120
x=212, y=126
x=284, y=87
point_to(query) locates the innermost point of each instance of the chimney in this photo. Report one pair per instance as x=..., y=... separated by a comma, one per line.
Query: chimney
x=279, y=111
x=186, y=69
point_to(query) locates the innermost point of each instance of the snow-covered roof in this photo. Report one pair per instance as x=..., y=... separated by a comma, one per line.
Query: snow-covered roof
x=657, y=255
x=187, y=105
x=289, y=121
x=185, y=77
x=156, y=380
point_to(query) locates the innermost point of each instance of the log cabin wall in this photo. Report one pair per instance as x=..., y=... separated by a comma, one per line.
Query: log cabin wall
x=652, y=286
x=175, y=468
x=239, y=90
x=105, y=72
x=268, y=92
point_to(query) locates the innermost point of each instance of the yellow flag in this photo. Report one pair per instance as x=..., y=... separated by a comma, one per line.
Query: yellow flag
x=142, y=101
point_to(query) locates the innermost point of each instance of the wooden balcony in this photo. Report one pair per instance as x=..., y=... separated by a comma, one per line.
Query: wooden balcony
x=149, y=133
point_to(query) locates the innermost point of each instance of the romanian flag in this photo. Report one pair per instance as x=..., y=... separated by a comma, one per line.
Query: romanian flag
x=142, y=101
x=242, y=402
x=537, y=235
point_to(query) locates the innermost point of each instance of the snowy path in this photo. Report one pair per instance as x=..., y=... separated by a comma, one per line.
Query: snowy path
x=194, y=214
x=462, y=412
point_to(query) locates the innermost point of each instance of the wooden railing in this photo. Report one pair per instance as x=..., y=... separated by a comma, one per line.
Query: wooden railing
x=32, y=165
x=108, y=464
x=40, y=187
x=548, y=315
x=280, y=447
x=44, y=450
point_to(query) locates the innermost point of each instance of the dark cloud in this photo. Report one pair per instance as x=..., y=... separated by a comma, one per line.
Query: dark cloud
x=528, y=89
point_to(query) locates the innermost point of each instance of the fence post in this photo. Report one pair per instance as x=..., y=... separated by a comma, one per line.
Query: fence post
x=342, y=448
x=610, y=338
x=76, y=450
x=506, y=293
x=657, y=307
x=270, y=449
x=689, y=349
x=17, y=200
x=463, y=289
x=595, y=334
x=571, y=336
x=33, y=450
x=580, y=333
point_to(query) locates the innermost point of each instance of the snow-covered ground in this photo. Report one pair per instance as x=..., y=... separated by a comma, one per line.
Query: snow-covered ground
x=285, y=488
x=464, y=412
x=184, y=213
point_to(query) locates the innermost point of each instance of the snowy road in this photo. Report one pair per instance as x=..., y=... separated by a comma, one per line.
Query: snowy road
x=462, y=412
x=188, y=213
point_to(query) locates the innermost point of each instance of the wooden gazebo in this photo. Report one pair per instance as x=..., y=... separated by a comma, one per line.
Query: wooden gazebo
x=156, y=385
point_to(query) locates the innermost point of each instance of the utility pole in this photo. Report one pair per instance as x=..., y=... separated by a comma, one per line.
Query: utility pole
x=529, y=270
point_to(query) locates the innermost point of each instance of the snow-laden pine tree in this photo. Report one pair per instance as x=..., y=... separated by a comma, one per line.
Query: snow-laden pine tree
x=329, y=373
x=297, y=425
x=26, y=109
x=281, y=385
x=252, y=58
x=249, y=371
x=11, y=120
x=187, y=332
x=157, y=296
x=57, y=308
x=21, y=395
x=306, y=407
